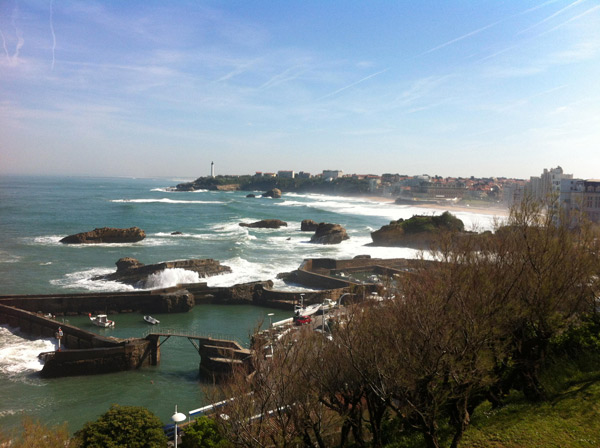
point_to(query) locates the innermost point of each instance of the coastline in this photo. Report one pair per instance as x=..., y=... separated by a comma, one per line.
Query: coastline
x=494, y=211
x=451, y=207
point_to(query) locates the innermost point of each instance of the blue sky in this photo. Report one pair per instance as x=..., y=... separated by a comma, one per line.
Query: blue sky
x=147, y=88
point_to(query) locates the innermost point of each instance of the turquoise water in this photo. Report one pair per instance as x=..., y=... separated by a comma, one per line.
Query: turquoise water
x=35, y=213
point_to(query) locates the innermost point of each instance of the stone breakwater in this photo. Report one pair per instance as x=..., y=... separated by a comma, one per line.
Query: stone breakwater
x=88, y=353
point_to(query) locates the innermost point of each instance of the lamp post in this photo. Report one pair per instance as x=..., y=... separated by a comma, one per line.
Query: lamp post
x=178, y=417
x=271, y=331
x=341, y=297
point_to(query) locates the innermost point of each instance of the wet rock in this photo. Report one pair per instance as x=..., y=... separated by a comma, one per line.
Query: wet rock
x=130, y=271
x=327, y=233
x=273, y=193
x=106, y=235
x=308, y=225
x=265, y=224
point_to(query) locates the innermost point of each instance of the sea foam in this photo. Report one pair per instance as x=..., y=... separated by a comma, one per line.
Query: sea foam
x=19, y=355
x=164, y=201
x=83, y=280
x=170, y=277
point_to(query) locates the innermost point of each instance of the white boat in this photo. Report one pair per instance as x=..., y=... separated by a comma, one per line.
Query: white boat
x=101, y=320
x=151, y=320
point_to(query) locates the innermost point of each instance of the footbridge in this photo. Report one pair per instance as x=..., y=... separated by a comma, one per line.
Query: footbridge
x=219, y=356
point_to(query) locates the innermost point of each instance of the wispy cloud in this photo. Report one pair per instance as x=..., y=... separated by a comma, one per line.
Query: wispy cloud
x=5, y=47
x=241, y=68
x=491, y=25
x=52, y=31
x=577, y=17
x=20, y=39
x=464, y=36
x=353, y=84
x=287, y=75
x=551, y=16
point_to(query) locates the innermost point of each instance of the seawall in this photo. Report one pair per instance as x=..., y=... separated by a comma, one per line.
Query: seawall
x=86, y=353
x=159, y=301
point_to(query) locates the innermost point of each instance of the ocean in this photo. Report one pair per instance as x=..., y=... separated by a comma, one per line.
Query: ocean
x=36, y=212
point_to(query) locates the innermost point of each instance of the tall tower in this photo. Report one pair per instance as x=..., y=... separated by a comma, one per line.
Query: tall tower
x=212, y=169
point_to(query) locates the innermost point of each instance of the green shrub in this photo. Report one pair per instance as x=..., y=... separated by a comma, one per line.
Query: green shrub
x=202, y=433
x=123, y=426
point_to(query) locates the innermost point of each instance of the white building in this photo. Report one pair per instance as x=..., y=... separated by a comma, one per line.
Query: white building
x=332, y=174
x=286, y=174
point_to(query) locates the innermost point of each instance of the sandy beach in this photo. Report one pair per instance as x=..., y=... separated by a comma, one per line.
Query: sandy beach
x=492, y=210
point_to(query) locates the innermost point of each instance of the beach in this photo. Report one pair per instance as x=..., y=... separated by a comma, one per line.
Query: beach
x=492, y=210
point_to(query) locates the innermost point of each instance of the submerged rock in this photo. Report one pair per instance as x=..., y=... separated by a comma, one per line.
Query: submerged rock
x=266, y=224
x=106, y=235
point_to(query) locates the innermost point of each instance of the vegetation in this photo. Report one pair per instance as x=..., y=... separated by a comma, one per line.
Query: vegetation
x=457, y=340
x=203, y=433
x=123, y=426
x=343, y=185
x=36, y=435
x=430, y=223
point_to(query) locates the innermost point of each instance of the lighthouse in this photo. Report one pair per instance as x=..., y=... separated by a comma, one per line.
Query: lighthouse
x=212, y=169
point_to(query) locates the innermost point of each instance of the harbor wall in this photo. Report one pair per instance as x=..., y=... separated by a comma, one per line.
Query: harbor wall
x=85, y=353
x=130, y=355
x=149, y=302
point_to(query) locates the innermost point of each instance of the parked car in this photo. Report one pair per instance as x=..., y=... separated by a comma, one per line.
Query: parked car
x=302, y=320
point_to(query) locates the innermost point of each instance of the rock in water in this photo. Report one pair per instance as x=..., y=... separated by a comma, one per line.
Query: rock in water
x=132, y=272
x=106, y=235
x=329, y=234
x=266, y=224
x=274, y=193
x=308, y=225
x=418, y=232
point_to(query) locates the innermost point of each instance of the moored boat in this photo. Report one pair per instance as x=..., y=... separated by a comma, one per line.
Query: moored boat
x=101, y=320
x=151, y=320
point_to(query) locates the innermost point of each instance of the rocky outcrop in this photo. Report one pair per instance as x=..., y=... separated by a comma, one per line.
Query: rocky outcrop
x=308, y=225
x=329, y=234
x=265, y=224
x=130, y=271
x=180, y=301
x=106, y=235
x=273, y=193
x=418, y=232
x=250, y=195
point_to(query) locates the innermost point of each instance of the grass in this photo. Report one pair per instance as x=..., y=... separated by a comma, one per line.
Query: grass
x=570, y=418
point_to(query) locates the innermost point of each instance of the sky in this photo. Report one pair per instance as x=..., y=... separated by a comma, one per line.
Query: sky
x=143, y=88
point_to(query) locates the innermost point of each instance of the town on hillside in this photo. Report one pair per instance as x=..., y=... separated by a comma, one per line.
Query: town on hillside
x=570, y=192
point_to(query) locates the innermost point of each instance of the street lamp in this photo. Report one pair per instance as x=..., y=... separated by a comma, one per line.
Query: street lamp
x=178, y=417
x=271, y=331
x=342, y=296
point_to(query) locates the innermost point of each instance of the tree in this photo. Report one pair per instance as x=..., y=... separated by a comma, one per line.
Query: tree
x=123, y=426
x=203, y=433
x=554, y=267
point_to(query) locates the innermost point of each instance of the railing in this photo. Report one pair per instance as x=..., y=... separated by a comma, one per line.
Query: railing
x=193, y=334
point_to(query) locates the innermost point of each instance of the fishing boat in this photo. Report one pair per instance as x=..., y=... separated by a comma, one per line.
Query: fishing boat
x=151, y=320
x=101, y=320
